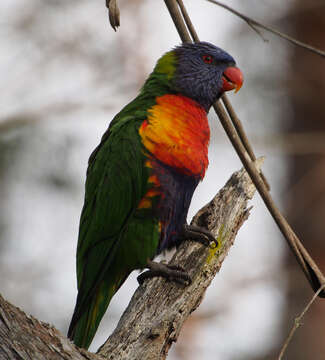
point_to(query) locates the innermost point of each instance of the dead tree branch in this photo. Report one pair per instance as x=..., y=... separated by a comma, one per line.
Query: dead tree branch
x=23, y=337
x=298, y=322
x=255, y=25
x=158, y=309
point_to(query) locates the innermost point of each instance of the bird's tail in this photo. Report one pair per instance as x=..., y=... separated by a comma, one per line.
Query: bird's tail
x=88, y=314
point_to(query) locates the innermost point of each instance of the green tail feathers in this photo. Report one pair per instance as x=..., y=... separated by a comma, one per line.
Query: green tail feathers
x=86, y=319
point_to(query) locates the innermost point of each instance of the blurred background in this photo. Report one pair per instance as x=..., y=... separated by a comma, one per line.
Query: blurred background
x=65, y=73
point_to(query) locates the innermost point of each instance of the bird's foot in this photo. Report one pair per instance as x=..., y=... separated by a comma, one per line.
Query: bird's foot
x=199, y=234
x=169, y=272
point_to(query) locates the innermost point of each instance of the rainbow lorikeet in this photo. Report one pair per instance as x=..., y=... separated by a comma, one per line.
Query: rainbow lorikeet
x=142, y=175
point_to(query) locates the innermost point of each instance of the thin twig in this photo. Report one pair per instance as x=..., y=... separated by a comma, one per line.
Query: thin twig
x=178, y=21
x=309, y=267
x=297, y=322
x=113, y=13
x=253, y=23
x=242, y=135
x=258, y=31
x=188, y=21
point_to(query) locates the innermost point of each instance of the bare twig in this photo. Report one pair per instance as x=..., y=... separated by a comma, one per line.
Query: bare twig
x=113, y=13
x=309, y=267
x=253, y=23
x=188, y=21
x=242, y=135
x=178, y=21
x=297, y=322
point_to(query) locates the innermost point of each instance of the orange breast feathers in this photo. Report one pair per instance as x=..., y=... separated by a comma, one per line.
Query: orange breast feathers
x=177, y=133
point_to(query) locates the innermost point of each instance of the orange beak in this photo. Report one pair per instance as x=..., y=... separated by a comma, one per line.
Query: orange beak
x=232, y=78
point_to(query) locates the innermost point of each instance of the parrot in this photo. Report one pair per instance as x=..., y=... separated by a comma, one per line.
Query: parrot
x=142, y=176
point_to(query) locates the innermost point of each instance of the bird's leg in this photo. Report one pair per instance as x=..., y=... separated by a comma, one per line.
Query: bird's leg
x=199, y=234
x=169, y=272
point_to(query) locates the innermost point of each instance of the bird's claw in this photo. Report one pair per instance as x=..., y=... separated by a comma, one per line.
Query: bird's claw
x=199, y=234
x=169, y=272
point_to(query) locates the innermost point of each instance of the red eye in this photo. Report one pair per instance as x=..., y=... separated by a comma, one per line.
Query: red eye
x=207, y=59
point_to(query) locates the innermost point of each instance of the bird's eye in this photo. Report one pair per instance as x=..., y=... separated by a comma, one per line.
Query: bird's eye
x=207, y=59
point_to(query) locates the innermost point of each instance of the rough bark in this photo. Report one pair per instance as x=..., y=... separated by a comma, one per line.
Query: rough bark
x=158, y=309
x=22, y=337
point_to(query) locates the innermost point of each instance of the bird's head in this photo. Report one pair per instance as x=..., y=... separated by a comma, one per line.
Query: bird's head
x=200, y=71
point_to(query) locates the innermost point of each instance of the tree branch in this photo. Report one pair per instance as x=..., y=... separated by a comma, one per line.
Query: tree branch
x=158, y=309
x=298, y=322
x=113, y=13
x=254, y=24
x=23, y=337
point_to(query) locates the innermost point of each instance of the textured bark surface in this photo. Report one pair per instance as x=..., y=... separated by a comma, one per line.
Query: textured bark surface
x=158, y=309
x=23, y=337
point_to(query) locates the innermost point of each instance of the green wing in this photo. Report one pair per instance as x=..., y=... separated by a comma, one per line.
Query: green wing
x=114, y=237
